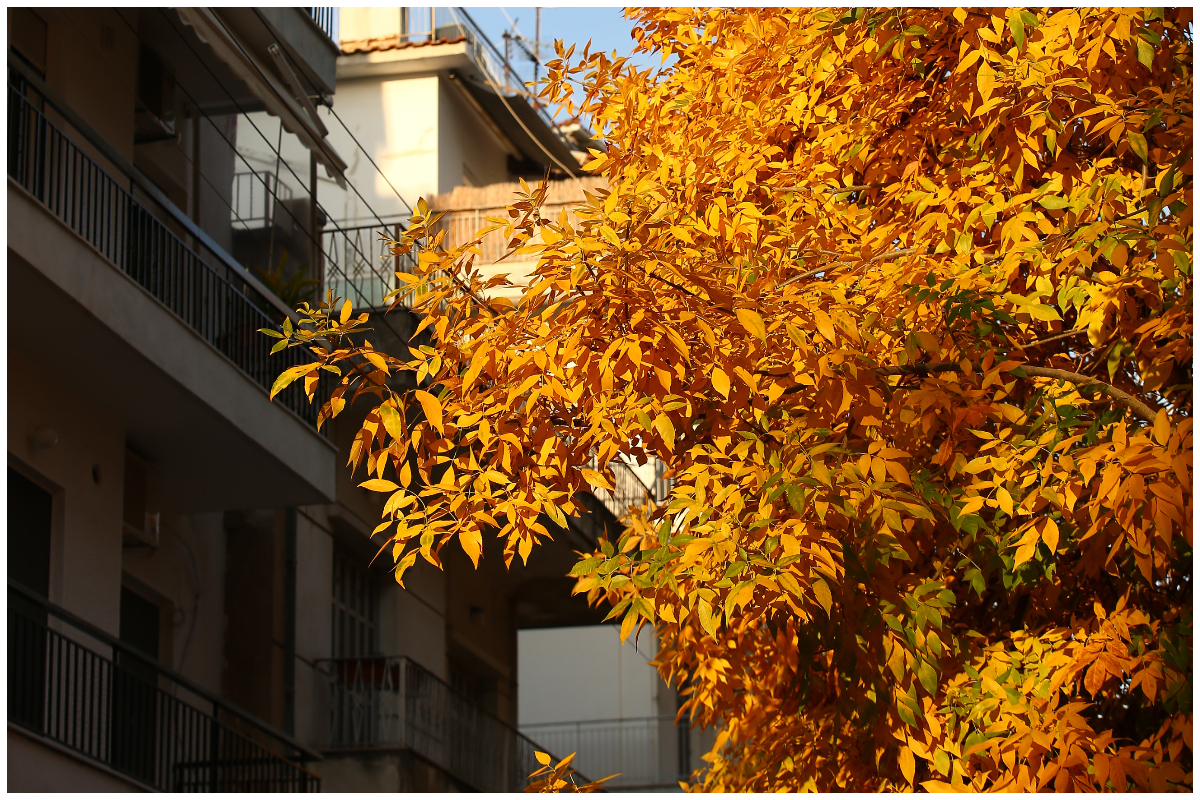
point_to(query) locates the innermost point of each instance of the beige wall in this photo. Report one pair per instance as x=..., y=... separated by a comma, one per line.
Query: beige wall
x=97, y=80
x=85, y=567
x=469, y=150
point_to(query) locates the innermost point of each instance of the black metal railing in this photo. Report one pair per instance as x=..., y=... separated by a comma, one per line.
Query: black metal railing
x=327, y=20
x=82, y=689
x=369, y=703
x=202, y=286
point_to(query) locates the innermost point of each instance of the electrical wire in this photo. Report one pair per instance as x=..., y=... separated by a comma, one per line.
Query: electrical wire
x=233, y=146
x=356, y=144
x=521, y=122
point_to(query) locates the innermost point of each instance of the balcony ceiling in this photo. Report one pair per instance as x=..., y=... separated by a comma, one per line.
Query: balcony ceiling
x=206, y=81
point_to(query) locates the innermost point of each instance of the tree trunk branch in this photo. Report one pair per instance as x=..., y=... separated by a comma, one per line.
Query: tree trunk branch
x=1134, y=404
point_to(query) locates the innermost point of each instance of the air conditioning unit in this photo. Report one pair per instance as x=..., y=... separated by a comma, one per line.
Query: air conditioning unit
x=139, y=514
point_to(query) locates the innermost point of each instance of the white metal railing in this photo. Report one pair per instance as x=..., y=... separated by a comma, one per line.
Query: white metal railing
x=646, y=751
x=393, y=702
x=461, y=225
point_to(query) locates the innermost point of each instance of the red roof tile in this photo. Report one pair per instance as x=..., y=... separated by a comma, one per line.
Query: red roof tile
x=391, y=43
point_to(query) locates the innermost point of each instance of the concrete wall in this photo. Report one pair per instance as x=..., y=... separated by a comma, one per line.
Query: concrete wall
x=38, y=767
x=185, y=576
x=470, y=153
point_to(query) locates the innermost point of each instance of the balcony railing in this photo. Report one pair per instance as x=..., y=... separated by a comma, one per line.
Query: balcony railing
x=255, y=200
x=629, y=489
x=646, y=751
x=360, y=267
x=76, y=687
x=150, y=241
x=326, y=19
x=390, y=702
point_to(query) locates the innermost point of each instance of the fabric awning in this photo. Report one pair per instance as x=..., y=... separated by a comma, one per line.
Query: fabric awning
x=266, y=85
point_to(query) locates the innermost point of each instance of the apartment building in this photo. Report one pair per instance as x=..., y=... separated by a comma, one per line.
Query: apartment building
x=192, y=600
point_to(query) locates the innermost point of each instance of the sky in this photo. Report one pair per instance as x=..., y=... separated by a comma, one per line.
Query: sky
x=605, y=27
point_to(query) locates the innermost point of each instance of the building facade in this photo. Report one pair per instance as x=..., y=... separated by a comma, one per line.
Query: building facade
x=193, y=601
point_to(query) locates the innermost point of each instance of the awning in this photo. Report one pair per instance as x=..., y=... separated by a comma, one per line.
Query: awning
x=266, y=85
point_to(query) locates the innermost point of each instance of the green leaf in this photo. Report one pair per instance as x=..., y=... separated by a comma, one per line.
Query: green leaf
x=795, y=496
x=1145, y=53
x=928, y=677
x=1017, y=26
x=392, y=422
x=1137, y=143
x=1053, y=202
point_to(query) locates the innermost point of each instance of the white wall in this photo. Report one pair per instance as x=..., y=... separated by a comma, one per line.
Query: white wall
x=585, y=673
x=395, y=120
x=469, y=151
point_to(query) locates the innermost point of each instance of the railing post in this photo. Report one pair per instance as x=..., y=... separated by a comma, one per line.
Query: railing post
x=214, y=752
x=402, y=691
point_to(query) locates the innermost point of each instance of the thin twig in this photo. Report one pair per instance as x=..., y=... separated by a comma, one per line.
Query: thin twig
x=856, y=187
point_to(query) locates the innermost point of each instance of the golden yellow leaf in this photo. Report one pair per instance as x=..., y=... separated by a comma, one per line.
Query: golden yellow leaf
x=432, y=408
x=720, y=382
x=753, y=323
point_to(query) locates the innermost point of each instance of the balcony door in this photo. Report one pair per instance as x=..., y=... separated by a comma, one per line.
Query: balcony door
x=29, y=526
x=135, y=689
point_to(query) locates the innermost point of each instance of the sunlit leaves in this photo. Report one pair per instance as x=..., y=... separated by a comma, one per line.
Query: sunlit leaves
x=901, y=301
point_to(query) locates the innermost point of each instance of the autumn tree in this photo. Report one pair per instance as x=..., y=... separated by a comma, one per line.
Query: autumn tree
x=903, y=299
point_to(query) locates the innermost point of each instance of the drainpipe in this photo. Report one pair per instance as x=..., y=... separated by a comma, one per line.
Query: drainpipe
x=289, y=622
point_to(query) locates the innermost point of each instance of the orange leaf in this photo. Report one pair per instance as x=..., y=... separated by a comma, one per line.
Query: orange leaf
x=432, y=408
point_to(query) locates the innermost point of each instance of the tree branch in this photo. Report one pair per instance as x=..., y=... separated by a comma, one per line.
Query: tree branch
x=856, y=187
x=1048, y=339
x=1134, y=404
x=877, y=257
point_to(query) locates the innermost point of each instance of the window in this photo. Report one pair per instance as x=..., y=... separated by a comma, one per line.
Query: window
x=355, y=598
x=29, y=515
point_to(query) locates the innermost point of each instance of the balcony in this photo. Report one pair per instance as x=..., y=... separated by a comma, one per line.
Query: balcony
x=75, y=688
x=383, y=703
x=198, y=282
x=647, y=752
x=145, y=304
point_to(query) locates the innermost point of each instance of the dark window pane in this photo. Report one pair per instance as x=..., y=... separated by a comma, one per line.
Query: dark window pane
x=29, y=508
